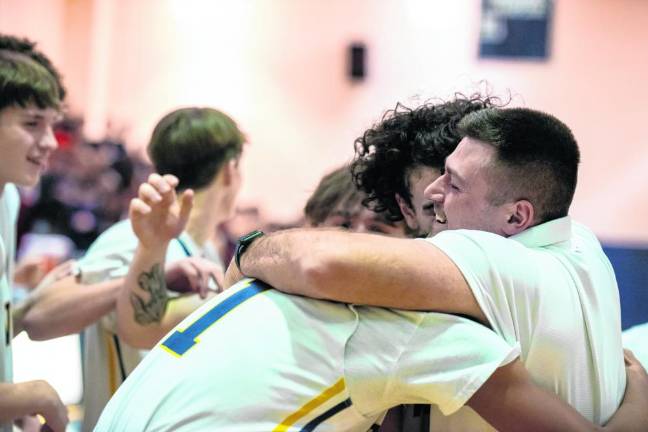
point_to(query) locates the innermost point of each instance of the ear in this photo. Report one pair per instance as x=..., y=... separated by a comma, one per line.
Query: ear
x=408, y=212
x=230, y=170
x=520, y=216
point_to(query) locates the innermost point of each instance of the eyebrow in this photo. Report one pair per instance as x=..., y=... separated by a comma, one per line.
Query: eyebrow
x=39, y=116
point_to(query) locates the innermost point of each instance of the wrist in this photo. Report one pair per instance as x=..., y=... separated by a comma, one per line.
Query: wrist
x=243, y=245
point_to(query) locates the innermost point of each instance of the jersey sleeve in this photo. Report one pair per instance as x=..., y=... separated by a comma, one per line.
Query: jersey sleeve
x=448, y=359
x=499, y=275
x=109, y=256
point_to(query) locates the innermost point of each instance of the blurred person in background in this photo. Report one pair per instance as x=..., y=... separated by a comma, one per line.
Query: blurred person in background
x=336, y=202
x=31, y=94
x=202, y=147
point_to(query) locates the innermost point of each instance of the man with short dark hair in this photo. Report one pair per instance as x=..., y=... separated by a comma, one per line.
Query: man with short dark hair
x=513, y=259
x=30, y=98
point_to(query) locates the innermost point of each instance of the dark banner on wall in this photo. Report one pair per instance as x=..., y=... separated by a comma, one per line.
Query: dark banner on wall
x=515, y=29
x=631, y=268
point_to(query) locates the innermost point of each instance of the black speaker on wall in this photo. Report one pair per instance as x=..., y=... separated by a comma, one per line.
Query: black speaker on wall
x=357, y=59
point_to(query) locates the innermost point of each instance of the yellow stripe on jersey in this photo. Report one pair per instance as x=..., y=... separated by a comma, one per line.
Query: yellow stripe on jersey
x=112, y=364
x=311, y=405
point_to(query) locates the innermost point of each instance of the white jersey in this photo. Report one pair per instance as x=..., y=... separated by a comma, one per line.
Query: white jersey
x=9, y=206
x=256, y=359
x=107, y=360
x=552, y=289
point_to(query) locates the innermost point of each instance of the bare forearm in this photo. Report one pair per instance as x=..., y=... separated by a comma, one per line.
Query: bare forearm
x=14, y=402
x=509, y=401
x=55, y=311
x=142, y=302
x=18, y=400
x=360, y=268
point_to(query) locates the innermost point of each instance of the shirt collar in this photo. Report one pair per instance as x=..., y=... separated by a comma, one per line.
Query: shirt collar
x=545, y=234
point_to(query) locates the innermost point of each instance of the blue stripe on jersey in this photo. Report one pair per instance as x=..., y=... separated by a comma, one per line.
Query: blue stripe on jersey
x=311, y=425
x=180, y=341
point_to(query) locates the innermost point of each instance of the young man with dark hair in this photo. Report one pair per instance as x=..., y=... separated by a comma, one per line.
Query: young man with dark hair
x=545, y=284
x=30, y=99
x=202, y=146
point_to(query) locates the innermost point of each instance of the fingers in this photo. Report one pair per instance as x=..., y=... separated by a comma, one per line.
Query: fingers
x=138, y=208
x=629, y=357
x=186, y=203
x=217, y=281
x=194, y=274
x=158, y=189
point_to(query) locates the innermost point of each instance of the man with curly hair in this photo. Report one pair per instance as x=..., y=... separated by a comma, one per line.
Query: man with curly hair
x=401, y=155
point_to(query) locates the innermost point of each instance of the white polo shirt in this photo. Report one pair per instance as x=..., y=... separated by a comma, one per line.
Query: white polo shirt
x=107, y=360
x=9, y=206
x=552, y=289
x=256, y=359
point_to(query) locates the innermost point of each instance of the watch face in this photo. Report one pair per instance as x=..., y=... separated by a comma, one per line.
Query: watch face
x=249, y=236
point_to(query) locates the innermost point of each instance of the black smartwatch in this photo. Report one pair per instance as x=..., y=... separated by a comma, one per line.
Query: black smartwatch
x=243, y=244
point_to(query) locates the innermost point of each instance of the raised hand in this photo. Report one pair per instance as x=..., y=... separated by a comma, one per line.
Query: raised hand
x=157, y=216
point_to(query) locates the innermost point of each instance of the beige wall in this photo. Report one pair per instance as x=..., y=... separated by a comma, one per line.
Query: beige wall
x=277, y=66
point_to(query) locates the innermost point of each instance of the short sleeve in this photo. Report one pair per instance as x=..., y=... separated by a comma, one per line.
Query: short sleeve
x=447, y=361
x=498, y=273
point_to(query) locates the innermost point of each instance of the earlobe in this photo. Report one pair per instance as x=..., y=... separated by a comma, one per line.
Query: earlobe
x=408, y=212
x=521, y=217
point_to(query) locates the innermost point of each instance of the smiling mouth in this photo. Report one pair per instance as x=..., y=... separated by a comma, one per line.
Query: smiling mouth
x=40, y=162
x=440, y=216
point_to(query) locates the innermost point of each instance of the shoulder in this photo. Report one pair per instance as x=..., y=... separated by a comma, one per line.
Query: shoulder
x=471, y=247
x=118, y=236
x=10, y=199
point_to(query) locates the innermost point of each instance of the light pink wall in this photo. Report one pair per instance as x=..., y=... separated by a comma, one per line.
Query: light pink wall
x=277, y=66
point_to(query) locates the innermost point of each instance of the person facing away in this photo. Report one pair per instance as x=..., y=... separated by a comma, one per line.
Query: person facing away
x=30, y=99
x=509, y=256
x=202, y=147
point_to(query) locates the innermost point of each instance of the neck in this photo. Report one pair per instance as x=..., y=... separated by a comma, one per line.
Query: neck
x=205, y=215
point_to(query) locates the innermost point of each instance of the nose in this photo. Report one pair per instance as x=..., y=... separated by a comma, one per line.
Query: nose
x=48, y=140
x=434, y=192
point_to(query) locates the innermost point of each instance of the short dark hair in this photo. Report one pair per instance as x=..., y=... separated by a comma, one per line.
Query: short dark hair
x=193, y=143
x=406, y=139
x=538, y=154
x=334, y=189
x=26, y=47
x=24, y=82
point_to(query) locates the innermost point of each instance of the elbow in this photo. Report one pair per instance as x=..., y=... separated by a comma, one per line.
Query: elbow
x=36, y=327
x=320, y=276
x=134, y=336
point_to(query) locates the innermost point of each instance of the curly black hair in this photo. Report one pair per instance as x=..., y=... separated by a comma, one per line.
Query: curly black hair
x=405, y=139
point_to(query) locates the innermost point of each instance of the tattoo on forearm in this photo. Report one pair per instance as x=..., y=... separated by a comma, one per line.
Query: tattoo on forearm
x=151, y=311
